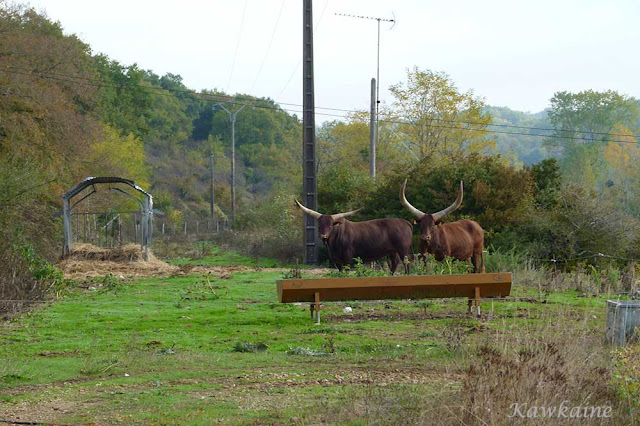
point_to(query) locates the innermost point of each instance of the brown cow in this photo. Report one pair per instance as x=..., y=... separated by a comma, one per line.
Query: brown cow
x=462, y=240
x=369, y=240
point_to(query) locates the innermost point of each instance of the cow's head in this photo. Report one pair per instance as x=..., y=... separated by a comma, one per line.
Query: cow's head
x=326, y=222
x=429, y=221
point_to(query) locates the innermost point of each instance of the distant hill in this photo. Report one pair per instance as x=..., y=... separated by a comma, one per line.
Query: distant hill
x=519, y=134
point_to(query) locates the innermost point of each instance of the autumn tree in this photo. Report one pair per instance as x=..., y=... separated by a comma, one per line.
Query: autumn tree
x=435, y=118
x=584, y=124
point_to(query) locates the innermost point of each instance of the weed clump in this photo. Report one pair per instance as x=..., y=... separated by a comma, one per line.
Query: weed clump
x=249, y=347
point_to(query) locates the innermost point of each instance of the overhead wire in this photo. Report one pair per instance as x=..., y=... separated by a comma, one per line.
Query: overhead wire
x=210, y=97
x=264, y=59
x=295, y=70
x=235, y=55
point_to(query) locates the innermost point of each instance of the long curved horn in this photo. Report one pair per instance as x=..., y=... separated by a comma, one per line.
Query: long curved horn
x=452, y=207
x=310, y=212
x=417, y=213
x=337, y=216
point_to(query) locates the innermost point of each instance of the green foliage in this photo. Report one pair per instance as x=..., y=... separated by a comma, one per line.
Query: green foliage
x=429, y=266
x=626, y=377
x=271, y=228
x=548, y=182
x=40, y=268
x=583, y=124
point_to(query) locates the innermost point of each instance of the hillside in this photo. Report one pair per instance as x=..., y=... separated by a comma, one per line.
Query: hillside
x=520, y=134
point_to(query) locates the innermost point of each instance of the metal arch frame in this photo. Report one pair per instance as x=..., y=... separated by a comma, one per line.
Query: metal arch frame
x=146, y=209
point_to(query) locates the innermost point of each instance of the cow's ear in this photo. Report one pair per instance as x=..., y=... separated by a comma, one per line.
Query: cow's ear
x=337, y=223
x=438, y=222
x=415, y=221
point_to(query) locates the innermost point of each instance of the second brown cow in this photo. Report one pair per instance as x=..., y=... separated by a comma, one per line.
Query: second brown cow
x=462, y=240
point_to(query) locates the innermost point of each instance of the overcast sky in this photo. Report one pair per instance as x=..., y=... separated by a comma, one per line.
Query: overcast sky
x=511, y=53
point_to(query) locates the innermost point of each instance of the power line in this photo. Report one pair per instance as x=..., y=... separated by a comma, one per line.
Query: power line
x=235, y=55
x=315, y=28
x=161, y=91
x=269, y=46
x=209, y=97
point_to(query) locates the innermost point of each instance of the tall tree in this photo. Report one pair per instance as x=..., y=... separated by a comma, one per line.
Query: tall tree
x=437, y=119
x=584, y=124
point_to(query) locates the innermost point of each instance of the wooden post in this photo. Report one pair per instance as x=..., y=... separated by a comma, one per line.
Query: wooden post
x=477, y=301
x=317, y=299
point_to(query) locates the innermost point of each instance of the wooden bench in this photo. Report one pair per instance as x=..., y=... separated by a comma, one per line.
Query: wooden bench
x=470, y=286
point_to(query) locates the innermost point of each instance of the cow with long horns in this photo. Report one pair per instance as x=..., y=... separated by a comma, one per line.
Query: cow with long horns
x=462, y=240
x=370, y=240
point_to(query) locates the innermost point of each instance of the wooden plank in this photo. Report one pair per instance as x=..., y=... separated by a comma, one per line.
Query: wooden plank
x=399, y=287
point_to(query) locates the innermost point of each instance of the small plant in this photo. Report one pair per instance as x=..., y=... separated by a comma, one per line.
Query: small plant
x=109, y=283
x=454, y=335
x=293, y=273
x=249, y=347
x=359, y=270
x=202, y=289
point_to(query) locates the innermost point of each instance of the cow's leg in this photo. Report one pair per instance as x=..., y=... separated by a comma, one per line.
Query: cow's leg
x=474, y=262
x=478, y=262
x=394, y=259
x=404, y=258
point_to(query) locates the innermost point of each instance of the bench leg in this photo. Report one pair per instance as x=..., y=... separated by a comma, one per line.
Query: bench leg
x=469, y=304
x=317, y=297
x=478, y=301
x=311, y=308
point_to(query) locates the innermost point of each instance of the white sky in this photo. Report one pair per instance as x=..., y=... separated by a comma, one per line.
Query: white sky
x=512, y=53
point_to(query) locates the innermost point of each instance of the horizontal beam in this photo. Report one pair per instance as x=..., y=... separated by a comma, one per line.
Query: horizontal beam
x=399, y=287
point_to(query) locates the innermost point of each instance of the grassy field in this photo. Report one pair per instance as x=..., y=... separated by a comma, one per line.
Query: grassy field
x=220, y=348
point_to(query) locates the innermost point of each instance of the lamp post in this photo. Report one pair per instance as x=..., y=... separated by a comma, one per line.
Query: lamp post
x=232, y=119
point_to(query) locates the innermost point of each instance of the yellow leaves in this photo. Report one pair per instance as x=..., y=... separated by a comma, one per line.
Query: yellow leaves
x=437, y=118
x=621, y=158
x=122, y=156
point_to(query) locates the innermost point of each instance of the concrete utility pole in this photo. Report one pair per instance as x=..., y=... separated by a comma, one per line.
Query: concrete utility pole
x=309, y=185
x=377, y=79
x=372, y=131
x=232, y=119
x=212, y=194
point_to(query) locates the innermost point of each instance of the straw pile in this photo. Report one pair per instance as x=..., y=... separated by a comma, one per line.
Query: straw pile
x=87, y=260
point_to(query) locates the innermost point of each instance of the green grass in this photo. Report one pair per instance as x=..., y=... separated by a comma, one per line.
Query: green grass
x=165, y=350
x=215, y=256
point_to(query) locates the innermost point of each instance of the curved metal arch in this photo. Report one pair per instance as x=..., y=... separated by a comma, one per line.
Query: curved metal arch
x=146, y=209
